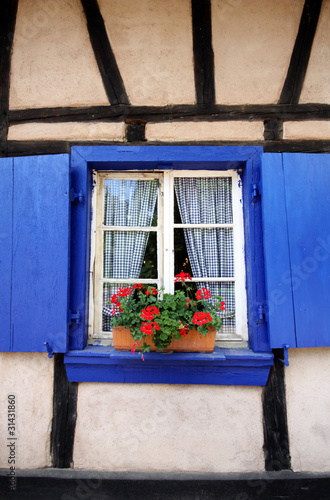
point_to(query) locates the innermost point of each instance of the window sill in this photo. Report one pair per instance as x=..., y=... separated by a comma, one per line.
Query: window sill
x=222, y=367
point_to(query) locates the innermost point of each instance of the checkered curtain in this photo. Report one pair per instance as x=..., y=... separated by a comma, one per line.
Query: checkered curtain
x=210, y=251
x=126, y=203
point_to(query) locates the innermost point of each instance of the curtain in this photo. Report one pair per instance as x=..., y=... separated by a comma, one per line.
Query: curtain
x=126, y=203
x=210, y=251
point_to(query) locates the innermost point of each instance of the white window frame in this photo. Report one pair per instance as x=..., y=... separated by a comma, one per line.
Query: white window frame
x=165, y=246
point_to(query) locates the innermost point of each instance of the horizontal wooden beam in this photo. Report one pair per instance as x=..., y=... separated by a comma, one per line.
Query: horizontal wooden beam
x=178, y=112
x=24, y=148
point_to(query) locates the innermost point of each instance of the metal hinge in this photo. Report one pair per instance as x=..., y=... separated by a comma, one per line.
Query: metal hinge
x=255, y=193
x=261, y=312
x=76, y=196
x=74, y=317
x=49, y=349
x=286, y=355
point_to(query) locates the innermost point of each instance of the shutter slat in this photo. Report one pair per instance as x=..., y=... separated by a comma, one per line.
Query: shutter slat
x=279, y=309
x=40, y=266
x=307, y=187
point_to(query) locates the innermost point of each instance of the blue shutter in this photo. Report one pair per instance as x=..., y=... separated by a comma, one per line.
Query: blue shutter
x=34, y=263
x=296, y=231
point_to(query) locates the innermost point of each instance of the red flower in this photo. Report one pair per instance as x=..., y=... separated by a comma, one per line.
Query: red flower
x=149, y=312
x=203, y=294
x=124, y=292
x=201, y=318
x=182, y=277
x=133, y=347
x=151, y=290
x=114, y=299
x=137, y=286
x=222, y=306
x=156, y=325
x=146, y=328
x=188, y=300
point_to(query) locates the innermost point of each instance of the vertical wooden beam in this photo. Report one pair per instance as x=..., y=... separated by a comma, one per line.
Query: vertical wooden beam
x=203, y=51
x=273, y=129
x=64, y=416
x=7, y=27
x=276, y=435
x=301, y=52
x=105, y=58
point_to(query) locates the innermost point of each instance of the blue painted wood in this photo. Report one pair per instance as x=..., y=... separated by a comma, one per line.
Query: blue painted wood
x=222, y=367
x=307, y=191
x=40, y=272
x=6, y=235
x=279, y=312
x=255, y=287
x=81, y=181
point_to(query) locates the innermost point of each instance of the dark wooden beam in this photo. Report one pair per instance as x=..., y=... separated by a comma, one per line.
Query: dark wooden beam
x=203, y=51
x=64, y=416
x=7, y=27
x=273, y=130
x=105, y=58
x=301, y=52
x=135, y=130
x=276, y=436
x=179, y=112
x=25, y=148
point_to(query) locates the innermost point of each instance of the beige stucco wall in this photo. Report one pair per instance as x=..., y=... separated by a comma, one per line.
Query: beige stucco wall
x=308, y=407
x=53, y=62
x=317, y=81
x=28, y=376
x=252, y=42
x=74, y=131
x=307, y=130
x=205, y=131
x=152, y=42
x=150, y=427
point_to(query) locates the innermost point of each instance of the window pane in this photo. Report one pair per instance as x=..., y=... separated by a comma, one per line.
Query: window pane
x=130, y=202
x=204, y=200
x=211, y=252
x=125, y=253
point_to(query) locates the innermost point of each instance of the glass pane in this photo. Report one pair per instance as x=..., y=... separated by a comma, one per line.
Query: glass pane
x=203, y=200
x=130, y=202
x=211, y=252
x=125, y=252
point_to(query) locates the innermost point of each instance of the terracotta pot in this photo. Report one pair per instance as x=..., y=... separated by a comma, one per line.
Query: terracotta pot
x=192, y=342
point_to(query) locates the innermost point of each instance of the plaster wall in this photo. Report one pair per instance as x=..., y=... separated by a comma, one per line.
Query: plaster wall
x=150, y=427
x=75, y=131
x=53, y=62
x=205, y=131
x=308, y=408
x=307, y=130
x=29, y=377
x=152, y=42
x=252, y=43
x=317, y=80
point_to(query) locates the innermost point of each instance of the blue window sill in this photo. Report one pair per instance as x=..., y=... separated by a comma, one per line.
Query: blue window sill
x=222, y=367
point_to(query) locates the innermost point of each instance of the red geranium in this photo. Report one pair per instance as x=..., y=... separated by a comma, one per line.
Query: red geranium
x=222, y=306
x=182, y=277
x=201, y=318
x=124, y=292
x=203, y=294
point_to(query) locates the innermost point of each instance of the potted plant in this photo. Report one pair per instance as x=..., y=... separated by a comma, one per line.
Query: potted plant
x=145, y=318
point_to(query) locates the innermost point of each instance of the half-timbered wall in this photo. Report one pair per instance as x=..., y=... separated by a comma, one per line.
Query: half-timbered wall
x=220, y=72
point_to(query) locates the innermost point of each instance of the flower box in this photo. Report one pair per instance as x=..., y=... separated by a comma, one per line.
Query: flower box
x=192, y=342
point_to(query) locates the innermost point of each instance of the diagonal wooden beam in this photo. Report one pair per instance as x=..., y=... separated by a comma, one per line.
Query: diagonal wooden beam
x=105, y=58
x=203, y=51
x=7, y=27
x=301, y=52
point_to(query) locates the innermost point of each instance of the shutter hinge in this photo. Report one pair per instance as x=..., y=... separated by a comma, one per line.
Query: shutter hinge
x=76, y=196
x=261, y=312
x=255, y=193
x=74, y=317
x=286, y=355
x=49, y=349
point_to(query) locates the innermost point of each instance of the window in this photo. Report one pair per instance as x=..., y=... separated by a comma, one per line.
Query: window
x=170, y=170
x=150, y=226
